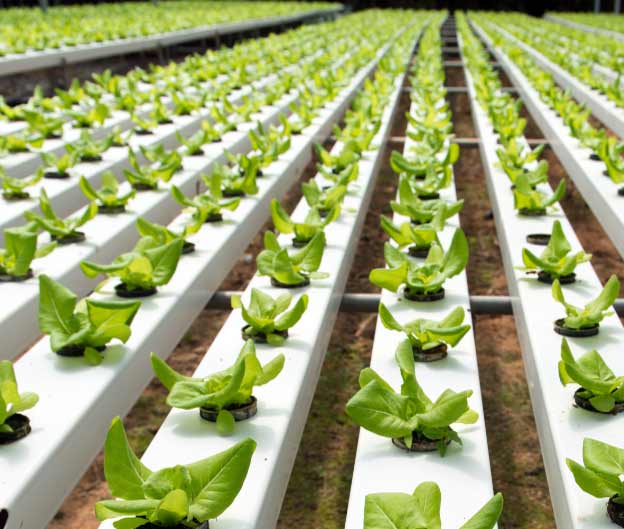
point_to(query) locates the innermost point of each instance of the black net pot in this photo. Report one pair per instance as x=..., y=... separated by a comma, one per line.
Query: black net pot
x=123, y=291
x=72, y=238
x=439, y=352
x=111, y=210
x=541, y=239
x=20, y=424
x=546, y=277
x=420, y=443
x=585, y=404
x=616, y=512
x=240, y=413
x=7, y=278
x=420, y=296
x=561, y=329
x=279, y=284
x=73, y=351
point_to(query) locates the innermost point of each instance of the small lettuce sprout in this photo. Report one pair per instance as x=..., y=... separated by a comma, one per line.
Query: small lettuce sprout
x=15, y=188
x=337, y=163
x=610, y=152
x=143, y=269
x=16, y=143
x=207, y=206
x=324, y=200
x=397, y=510
x=434, y=181
x=162, y=157
x=183, y=495
x=303, y=231
x=589, y=316
x=20, y=251
x=86, y=149
x=64, y=231
x=429, y=339
x=224, y=396
x=421, y=211
x=146, y=177
x=82, y=327
x=418, y=237
x=43, y=125
x=419, y=166
x=268, y=319
x=410, y=418
x=535, y=176
x=58, y=166
x=233, y=181
x=89, y=117
x=600, y=474
x=13, y=425
x=529, y=201
x=600, y=389
x=291, y=270
x=163, y=235
x=513, y=157
x=422, y=280
x=556, y=261
x=107, y=197
x=195, y=142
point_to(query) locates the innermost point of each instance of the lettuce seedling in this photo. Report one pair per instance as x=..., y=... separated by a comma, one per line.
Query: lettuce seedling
x=233, y=181
x=535, y=176
x=409, y=417
x=593, y=312
x=304, y=231
x=428, y=336
x=556, y=261
x=600, y=388
x=529, y=201
x=121, y=138
x=418, y=166
x=207, y=206
x=16, y=143
x=223, y=393
x=86, y=149
x=162, y=157
x=418, y=237
x=515, y=157
x=421, y=280
x=195, y=142
x=43, y=125
x=20, y=251
x=163, y=235
x=421, y=211
x=397, y=510
x=12, y=402
x=291, y=270
x=270, y=143
x=268, y=319
x=58, y=166
x=336, y=163
x=148, y=266
x=107, y=197
x=324, y=200
x=213, y=133
x=82, y=327
x=159, y=112
x=143, y=126
x=433, y=183
x=14, y=188
x=600, y=475
x=147, y=177
x=90, y=117
x=179, y=496
x=610, y=152
x=64, y=231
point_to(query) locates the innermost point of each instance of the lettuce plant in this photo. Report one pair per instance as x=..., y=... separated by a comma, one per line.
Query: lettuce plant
x=162, y=157
x=269, y=143
x=514, y=156
x=16, y=143
x=535, y=176
x=86, y=117
x=303, y=231
x=268, y=319
x=82, y=327
x=161, y=235
x=64, y=231
x=418, y=237
x=147, y=177
x=421, y=211
x=121, y=138
x=324, y=200
x=410, y=418
x=529, y=201
x=142, y=270
x=589, y=316
x=43, y=125
x=179, y=496
x=15, y=188
x=233, y=181
x=222, y=397
x=143, y=125
x=336, y=163
x=207, y=206
x=195, y=142
x=13, y=425
x=434, y=181
x=429, y=338
x=600, y=389
x=58, y=166
x=600, y=475
x=20, y=251
x=422, y=281
x=419, y=166
x=556, y=261
x=397, y=510
x=610, y=152
x=291, y=270
x=107, y=197
x=86, y=149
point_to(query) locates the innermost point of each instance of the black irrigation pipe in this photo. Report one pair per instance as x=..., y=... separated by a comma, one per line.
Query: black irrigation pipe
x=370, y=303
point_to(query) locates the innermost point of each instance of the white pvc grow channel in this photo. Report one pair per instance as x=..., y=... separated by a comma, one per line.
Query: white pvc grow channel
x=584, y=27
x=561, y=427
x=600, y=193
x=464, y=473
x=284, y=403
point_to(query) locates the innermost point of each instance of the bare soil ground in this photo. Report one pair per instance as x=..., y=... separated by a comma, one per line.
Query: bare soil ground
x=318, y=491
